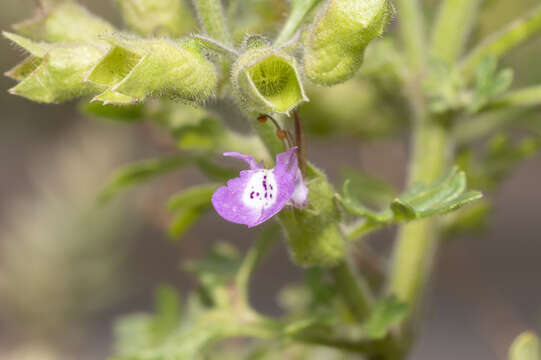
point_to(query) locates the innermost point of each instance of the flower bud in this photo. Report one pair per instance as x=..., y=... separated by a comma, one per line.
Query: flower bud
x=53, y=73
x=335, y=43
x=164, y=17
x=313, y=235
x=266, y=80
x=66, y=22
x=134, y=69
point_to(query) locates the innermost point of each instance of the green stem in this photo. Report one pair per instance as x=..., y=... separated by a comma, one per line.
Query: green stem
x=212, y=19
x=253, y=258
x=417, y=241
x=267, y=133
x=453, y=27
x=412, y=33
x=300, y=142
x=505, y=40
x=354, y=290
x=363, y=228
x=530, y=96
x=298, y=12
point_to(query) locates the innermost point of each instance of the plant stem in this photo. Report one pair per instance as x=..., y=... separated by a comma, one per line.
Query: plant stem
x=254, y=256
x=212, y=19
x=297, y=14
x=530, y=96
x=363, y=228
x=417, y=241
x=453, y=27
x=267, y=133
x=354, y=290
x=412, y=33
x=299, y=139
x=501, y=42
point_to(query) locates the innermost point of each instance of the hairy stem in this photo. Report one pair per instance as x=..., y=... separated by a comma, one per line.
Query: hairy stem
x=453, y=27
x=530, y=96
x=418, y=241
x=354, y=290
x=412, y=33
x=254, y=256
x=212, y=19
x=501, y=42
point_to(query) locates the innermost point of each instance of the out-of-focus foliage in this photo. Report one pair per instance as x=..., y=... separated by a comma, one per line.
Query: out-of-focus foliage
x=157, y=17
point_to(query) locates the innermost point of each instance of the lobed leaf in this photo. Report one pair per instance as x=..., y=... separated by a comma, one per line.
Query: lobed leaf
x=420, y=201
x=489, y=83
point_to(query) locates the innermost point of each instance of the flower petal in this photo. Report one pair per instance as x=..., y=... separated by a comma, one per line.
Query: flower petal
x=258, y=194
x=254, y=165
x=299, y=199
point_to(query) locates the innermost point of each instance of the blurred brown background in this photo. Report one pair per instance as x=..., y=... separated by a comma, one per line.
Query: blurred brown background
x=53, y=161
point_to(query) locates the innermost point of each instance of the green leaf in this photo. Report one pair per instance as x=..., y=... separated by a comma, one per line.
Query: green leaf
x=221, y=263
x=189, y=205
x=193, y=197
x=216, y=172
x=489, y=83
x=503, y=41
x=445, y=87
x=368, y=189
x=525, y=347
x=442, y=197
x=420, y=201
x=468, y=219
x=353, y=206
x=168, y=310
x=136, y=332
x=127, y=114
x=183, y=221
x=386, y=313
x=215, y=272
x=140, y=172
x=201, y=135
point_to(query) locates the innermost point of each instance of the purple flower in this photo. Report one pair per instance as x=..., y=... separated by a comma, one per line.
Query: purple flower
x=259, y=193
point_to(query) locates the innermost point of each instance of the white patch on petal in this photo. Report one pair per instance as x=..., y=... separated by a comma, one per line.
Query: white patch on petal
x=300, y=195
x=261, y=190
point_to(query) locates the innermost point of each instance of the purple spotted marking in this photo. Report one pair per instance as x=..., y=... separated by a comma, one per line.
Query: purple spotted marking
x=273, y=189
